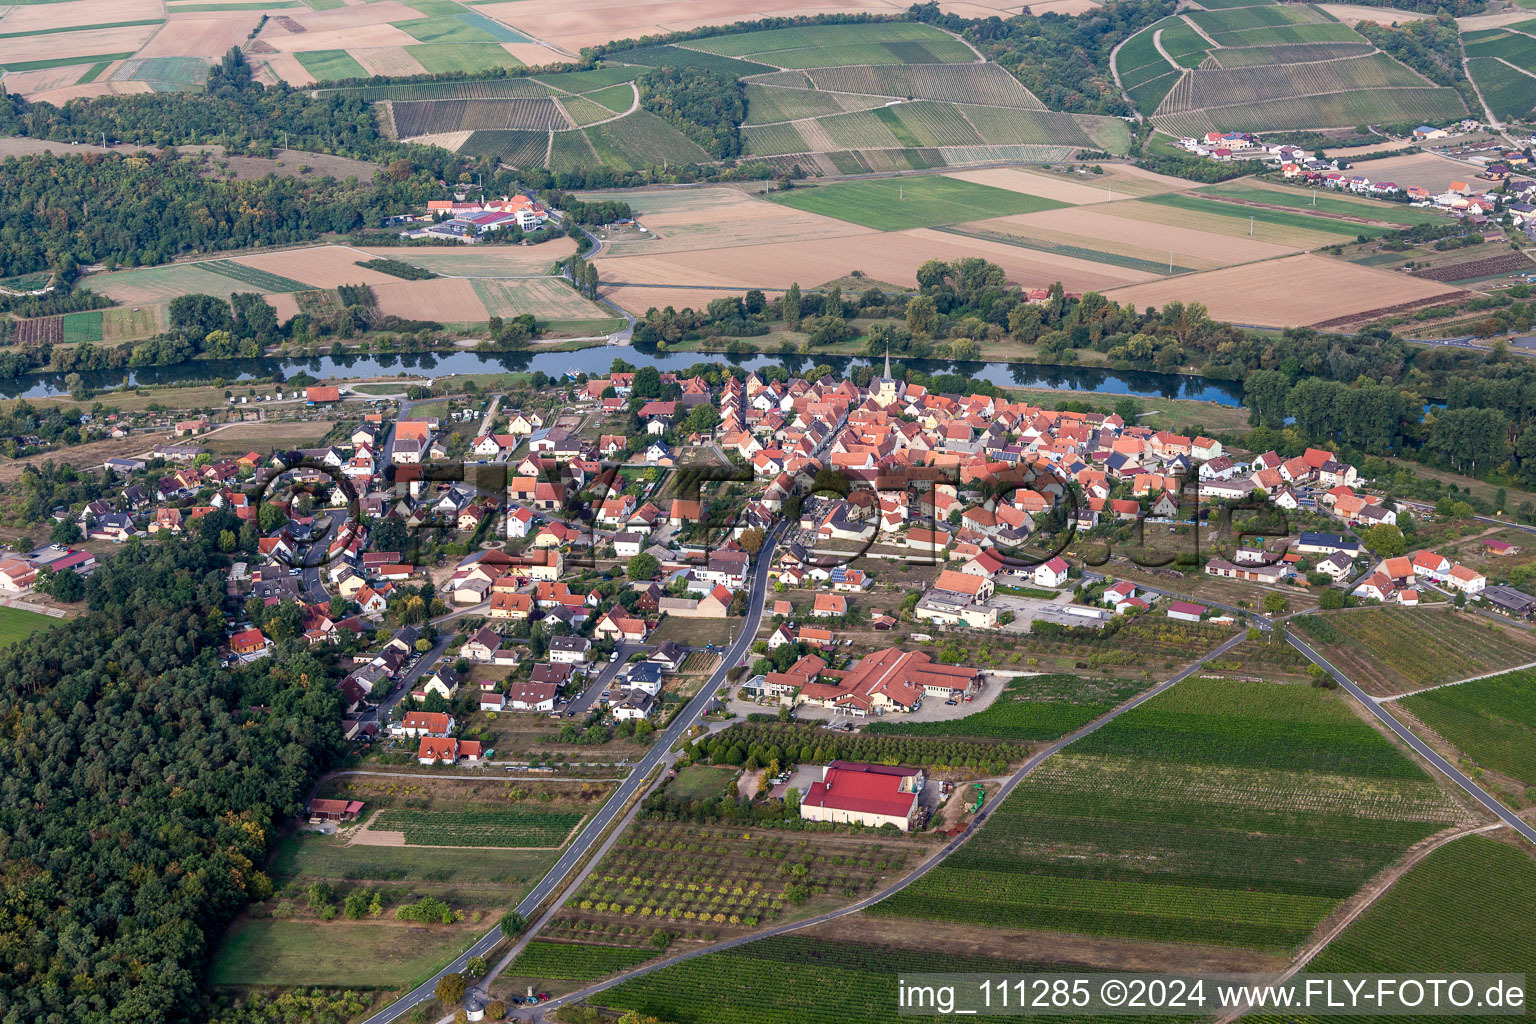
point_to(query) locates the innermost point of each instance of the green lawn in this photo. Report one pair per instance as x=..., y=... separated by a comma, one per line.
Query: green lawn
x=893, y=203
x=17, y=624
x=701, y=782
x=79, y=327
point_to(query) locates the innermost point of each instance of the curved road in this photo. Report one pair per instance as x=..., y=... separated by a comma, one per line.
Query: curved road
x=594, y=829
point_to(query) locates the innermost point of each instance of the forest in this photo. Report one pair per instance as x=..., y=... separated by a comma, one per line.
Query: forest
x=140, y=785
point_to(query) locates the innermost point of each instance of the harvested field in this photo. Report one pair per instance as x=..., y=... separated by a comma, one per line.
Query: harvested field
x=30, y=83
x=200, y=36
x=286, y=304
x=86, y=42
x=572, y=24
x=83, y=456
x=239, y=438
x=895, y=260
x=1290, y=292
x=712, y=218
x=126, y=323
x=351, y=38
x=1350, y=14
x=1432, y=172
x=41, y=17
x=1196, y=250
x=477, y=261
x=1218, y=221
x=389, y=60
x=145, y=286
x=59, y=97
x=325, y=266
x=288, y=69
x=446, y=300
x=1077, y=189
x=1504, y=263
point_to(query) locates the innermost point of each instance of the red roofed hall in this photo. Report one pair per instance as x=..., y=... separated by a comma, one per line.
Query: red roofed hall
x=872, y=795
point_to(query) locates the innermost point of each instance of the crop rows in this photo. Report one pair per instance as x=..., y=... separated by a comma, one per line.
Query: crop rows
x=774, y=139
x=1267, y=15
x=565, y=961
x=1030, y=708
x=1320, y=32
x=253, y=276
x=1492, y=721
x=1390, y=650
x=1501, y=264
x=945, y=51
x=986, y=84
x=478, y=828
x=1519, y=50
x=811, y=745
x=790, y=979
x=491, y=89
x=519, y=149
x=939, y=124
x=1219, y=812
x=1508, y=92
x=642, y=140
x=1026, y=128
x=46, y=330
x=1335, y=110
x=429, y=117
x=746, y=44
x=768, y=104
x=1225, y=87
x=1295, y=53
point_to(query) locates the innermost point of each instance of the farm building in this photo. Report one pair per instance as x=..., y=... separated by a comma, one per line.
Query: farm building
x=1185, y=611
x=334, y=810
x=872, y=795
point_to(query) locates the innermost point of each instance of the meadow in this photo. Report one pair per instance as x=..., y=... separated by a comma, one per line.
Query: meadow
x=565, y=961
x=1388, y=651
x=363, y=954
x=1492, y=721
x=1220, y=812
x=888, y=205
x=18, y=624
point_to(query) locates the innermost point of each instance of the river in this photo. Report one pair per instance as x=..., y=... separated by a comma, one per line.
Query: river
x=596, y=361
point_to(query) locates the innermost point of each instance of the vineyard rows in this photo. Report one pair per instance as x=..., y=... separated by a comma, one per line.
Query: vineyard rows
x=1295, y=53
x=1391, y=650
x=1232, y=86
x=1492, y=721
x=256, y=278
x=494, y=89
x=986, y=84
x=565, y=961
x=428, y=117
x=1219, y=812
x=521, y=828
x=1509, y=93
x=1334, y=110
x=805, y=744
x=520, y=149
x=769, y=104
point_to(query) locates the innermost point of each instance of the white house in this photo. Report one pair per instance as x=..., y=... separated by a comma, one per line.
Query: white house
x=1052, y=573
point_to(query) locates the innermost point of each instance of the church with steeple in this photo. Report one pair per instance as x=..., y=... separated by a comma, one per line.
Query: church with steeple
x=887, y=391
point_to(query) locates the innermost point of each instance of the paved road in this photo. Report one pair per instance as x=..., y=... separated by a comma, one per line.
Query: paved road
x=660, y=749
x=1445, y=767
x=932, y=862
x=380, y=714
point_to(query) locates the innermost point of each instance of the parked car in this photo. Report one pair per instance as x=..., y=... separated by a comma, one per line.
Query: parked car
x=951, y=702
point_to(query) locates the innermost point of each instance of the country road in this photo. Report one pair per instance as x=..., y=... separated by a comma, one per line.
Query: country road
x=595, y=827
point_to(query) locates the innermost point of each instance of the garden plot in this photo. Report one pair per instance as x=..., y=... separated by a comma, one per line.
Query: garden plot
x=1219, y=812
x=1290, y=292
x=1393, y=650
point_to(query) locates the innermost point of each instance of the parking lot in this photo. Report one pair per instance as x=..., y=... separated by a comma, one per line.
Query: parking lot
x=1028, y=609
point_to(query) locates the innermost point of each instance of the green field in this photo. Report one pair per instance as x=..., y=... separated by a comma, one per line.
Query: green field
x=62, y=62
x=92, y=73
x=1469, y=906
x=1031, y=708
x=82, y=327
x=17, y=624
x=1277, y=217
x=513, y=828
x=1220, y=812
x=1510, y=93
x=701, y=782
x=564, y=961
x=689, y=57
x=617, y=98
x=889, y=205
x=815, y=46
x=1492, y=721
x=597, y=78
x=462, y=58
x=333, y=65
x=640, y=140
x=1308, y=199
x=365, y=954
x=791, y=979
x=123, y=323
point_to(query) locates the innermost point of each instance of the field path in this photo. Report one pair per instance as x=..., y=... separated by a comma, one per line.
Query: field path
x=1114, y=70
x=1362, y=901
x=933, y=861
x=1157, y=41
x=1186, y=19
